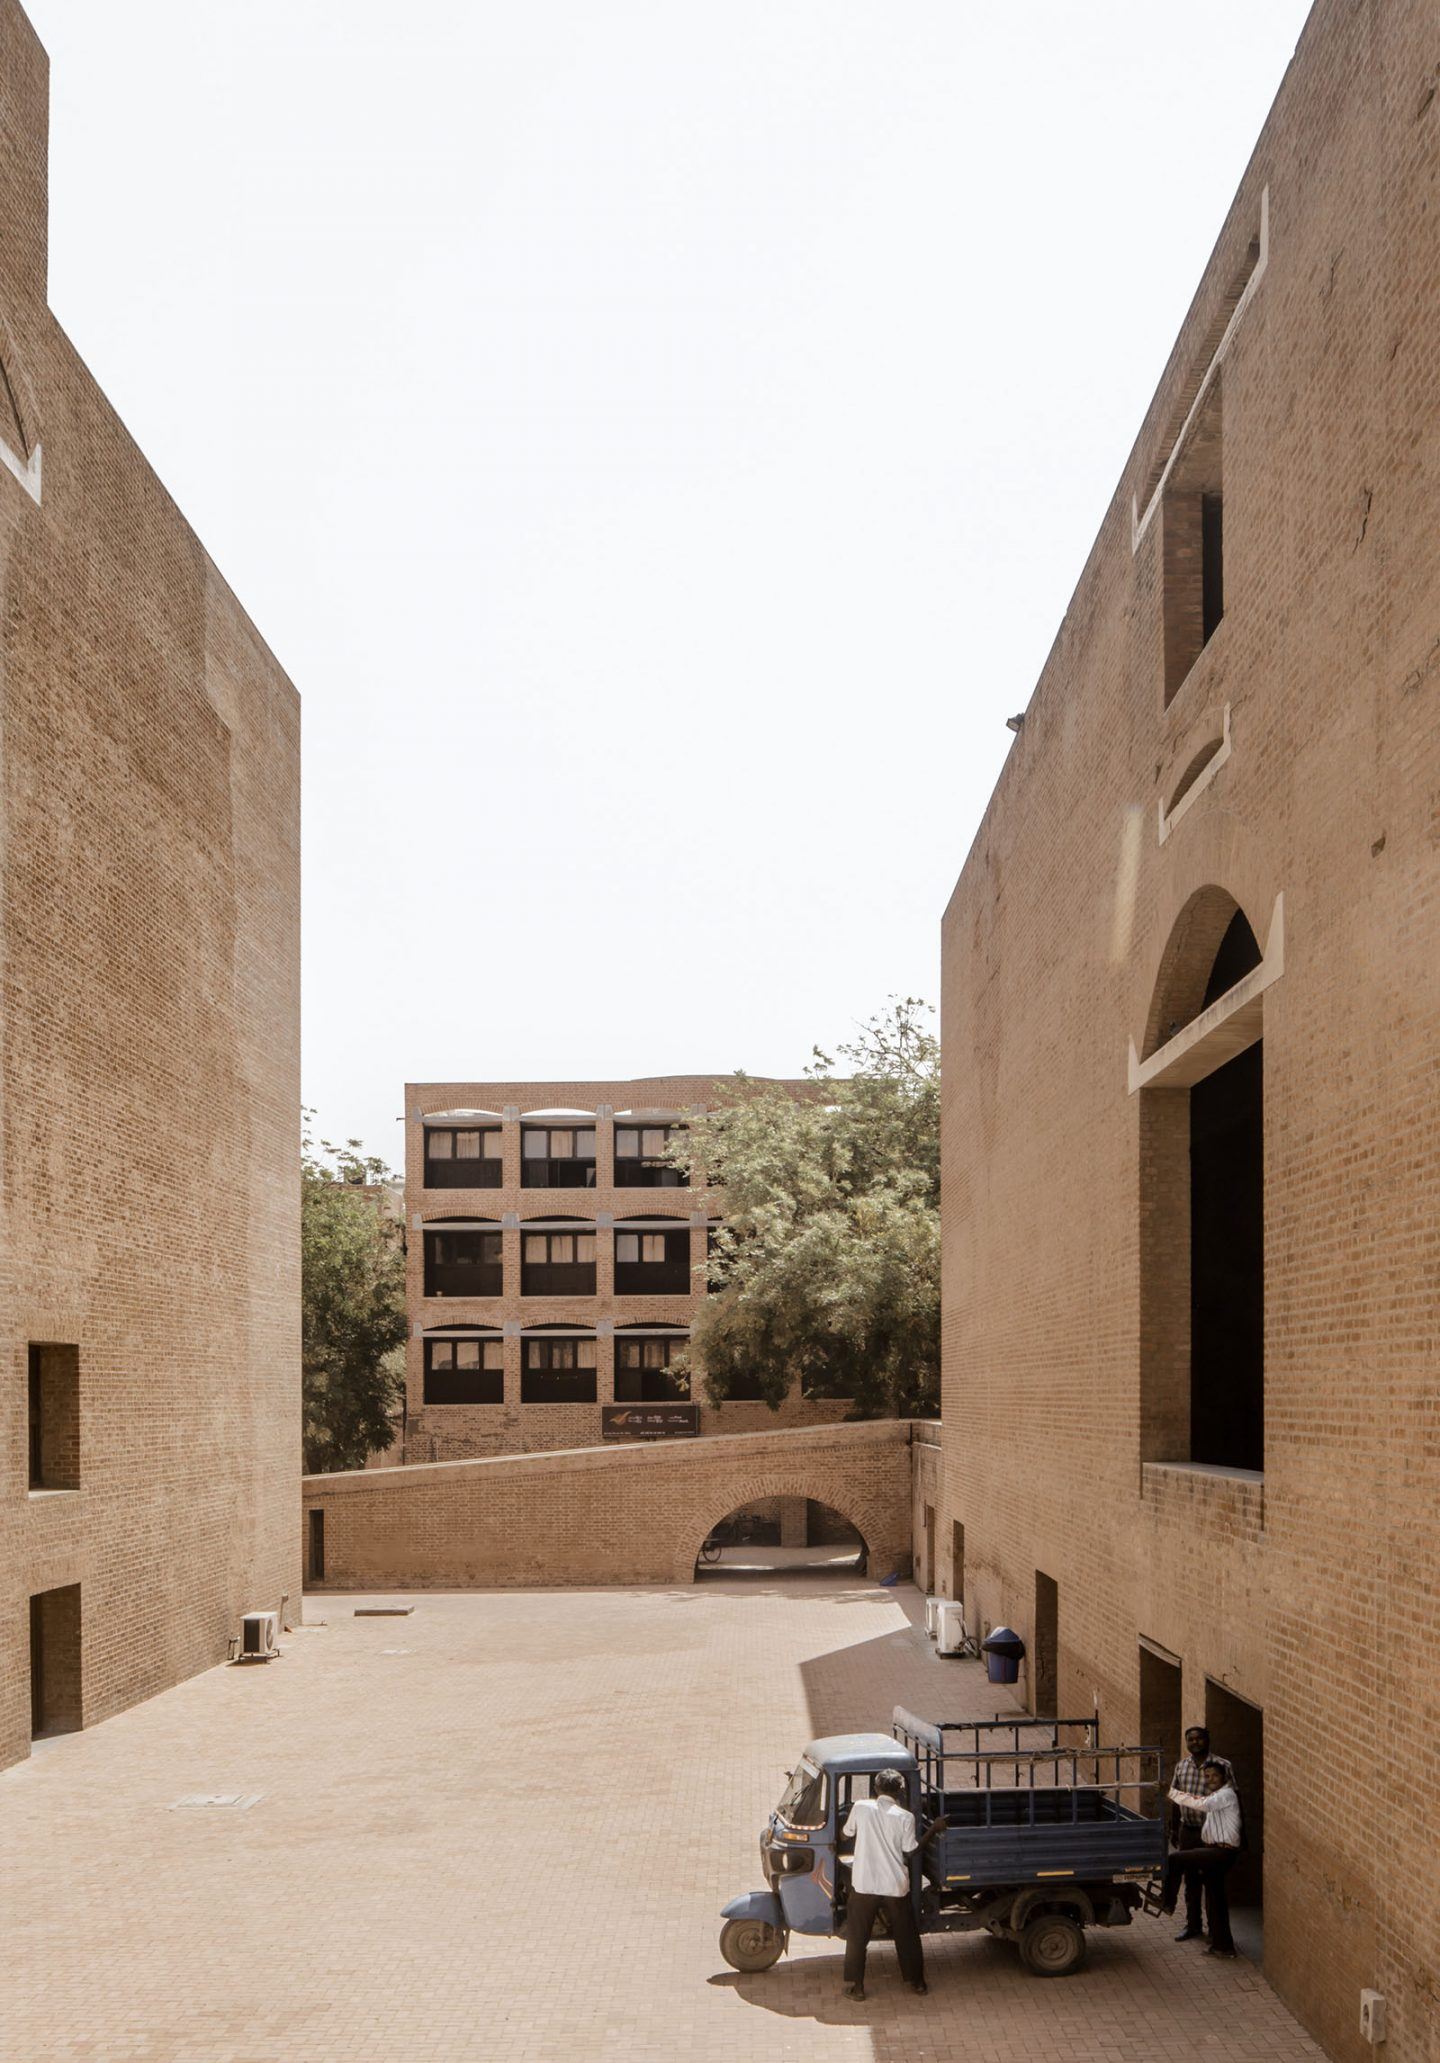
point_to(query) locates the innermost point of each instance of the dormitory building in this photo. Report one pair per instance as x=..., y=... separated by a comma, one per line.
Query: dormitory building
x=555, y=1259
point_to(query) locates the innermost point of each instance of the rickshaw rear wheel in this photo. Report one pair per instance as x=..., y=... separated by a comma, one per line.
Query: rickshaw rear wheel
x=751, y=1944
x=1052, y=1945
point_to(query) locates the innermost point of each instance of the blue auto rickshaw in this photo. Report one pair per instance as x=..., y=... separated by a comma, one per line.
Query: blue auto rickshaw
x=1048, y=1833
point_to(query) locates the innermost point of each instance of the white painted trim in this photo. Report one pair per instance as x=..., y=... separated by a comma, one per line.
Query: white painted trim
x=27, y=475
x=1200, y=783
x=1233, y=1022
x=1140, y=524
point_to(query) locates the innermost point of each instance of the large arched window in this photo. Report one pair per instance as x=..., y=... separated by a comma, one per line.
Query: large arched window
x=1202, y=1194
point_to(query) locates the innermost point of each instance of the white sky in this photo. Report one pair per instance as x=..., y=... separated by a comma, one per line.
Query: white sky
x=659, y=438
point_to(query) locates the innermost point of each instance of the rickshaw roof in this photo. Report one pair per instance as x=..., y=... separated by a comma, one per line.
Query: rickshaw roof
x=851, y=1751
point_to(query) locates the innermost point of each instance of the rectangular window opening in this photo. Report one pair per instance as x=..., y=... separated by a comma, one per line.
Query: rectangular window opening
x=54, y=1417
x=1192, y=543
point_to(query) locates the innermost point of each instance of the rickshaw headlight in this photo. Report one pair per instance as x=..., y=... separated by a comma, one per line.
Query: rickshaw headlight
x=792, y=1862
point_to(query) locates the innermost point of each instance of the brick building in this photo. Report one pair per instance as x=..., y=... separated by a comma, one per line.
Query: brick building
x=555, y=1262
x=149, y=892
x=1191, y=1012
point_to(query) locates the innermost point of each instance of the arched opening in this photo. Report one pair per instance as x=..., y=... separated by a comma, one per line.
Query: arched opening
x=1202, y=1197
x=782, y=1536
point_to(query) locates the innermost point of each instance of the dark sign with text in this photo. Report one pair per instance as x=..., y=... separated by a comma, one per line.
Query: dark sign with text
x=650, y=1421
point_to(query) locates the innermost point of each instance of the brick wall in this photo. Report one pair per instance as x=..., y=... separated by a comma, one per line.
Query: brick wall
x=1072, y=936
x=149, y=755
x=620, y=1514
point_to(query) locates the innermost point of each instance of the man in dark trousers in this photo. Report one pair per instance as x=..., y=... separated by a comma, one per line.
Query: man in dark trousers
x=1187, y=1819
x=885, y=1837
x=1213, y=1855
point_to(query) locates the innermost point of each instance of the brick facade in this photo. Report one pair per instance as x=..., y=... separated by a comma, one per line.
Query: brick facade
x=451, y=1432
x=633, y=1513
x=149, y=831
x=1279, y=754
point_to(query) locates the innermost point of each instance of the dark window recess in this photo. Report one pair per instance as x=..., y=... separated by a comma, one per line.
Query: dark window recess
x=54, y=1417
x=1192, y=543
x=465, y=1371
x=1227, y=1264
x=458, y=1159
x=639, y=1157
x=557, y=1157
x=652, y=1263
x=315, y=1571
x=642, y=1372
x=557, y=1264
x=744, y=1389
x=823, y=1387
x=1212, y=564
x=558, y=1371
x=463, y=1264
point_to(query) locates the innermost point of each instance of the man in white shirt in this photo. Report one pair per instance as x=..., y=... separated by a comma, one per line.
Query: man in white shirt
x=1215, y=1856
x=885, y=1838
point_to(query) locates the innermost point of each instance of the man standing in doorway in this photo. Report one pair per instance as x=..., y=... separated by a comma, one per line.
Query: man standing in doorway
x=1187, y=1821
x=1214, y=1857
x=885, y=1838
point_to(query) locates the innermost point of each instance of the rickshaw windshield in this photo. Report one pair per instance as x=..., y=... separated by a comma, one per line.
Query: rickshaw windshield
x=803, y=1804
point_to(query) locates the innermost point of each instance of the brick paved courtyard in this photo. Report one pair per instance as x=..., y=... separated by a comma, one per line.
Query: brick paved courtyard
x=501, y=1830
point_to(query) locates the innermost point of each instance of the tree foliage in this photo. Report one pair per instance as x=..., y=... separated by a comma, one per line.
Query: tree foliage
x=352, y=1274
x=827, y=1264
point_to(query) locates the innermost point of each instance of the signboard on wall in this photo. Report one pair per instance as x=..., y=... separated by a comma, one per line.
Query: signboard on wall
x=650, y=1421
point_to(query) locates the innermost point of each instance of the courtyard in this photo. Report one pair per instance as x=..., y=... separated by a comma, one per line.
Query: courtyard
x=500, y=1830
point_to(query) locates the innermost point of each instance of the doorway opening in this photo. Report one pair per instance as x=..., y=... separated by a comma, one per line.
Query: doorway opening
x=957, y=1561
x=1237, y=1731
x=782, y=1536
x=1045, y=1657
x=55, y=1705
x=1160, y=1712
x=929, y=1550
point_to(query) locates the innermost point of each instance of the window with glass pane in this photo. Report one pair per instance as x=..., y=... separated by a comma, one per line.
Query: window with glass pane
x=558, y=1157
x=558, y=1371
x=464, y=1371
x=463, y=1158
x=643, y=1373
x=639, y=1157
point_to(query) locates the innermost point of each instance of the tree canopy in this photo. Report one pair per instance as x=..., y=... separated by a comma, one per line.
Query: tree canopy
x=827, y=1264
x=352, y=1273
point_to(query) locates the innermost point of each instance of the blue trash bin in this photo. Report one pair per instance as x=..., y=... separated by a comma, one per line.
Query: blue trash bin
x=1004, y=1651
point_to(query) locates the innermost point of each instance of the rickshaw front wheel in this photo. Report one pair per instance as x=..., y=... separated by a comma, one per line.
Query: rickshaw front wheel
x=751, y=1944
x=1052, y=1945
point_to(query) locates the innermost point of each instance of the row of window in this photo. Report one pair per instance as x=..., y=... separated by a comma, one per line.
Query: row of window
x=552, y=1371
x=551, y=1157
x=470, y=1264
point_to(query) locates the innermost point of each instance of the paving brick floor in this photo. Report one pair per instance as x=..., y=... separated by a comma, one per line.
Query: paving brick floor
x=500, y=1831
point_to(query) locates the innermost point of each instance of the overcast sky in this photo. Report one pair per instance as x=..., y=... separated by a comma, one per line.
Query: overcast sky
x=659, y=440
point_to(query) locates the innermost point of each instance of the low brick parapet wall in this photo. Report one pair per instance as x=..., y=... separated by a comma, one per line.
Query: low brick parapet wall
x=602, y=1515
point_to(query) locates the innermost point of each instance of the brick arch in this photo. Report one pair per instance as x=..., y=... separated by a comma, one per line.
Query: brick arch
x=733, y=1494
x=1186, y=961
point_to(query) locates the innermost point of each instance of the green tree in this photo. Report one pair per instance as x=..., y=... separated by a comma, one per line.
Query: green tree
x=352, y=1293
x=827, y=1264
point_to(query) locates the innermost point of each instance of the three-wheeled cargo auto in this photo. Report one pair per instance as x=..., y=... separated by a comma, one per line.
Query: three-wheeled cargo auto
x=1048, y=1833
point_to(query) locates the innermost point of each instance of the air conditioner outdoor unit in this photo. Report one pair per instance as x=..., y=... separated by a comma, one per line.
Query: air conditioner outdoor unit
x=259, y=1633
x=950, y=1635
x=932, y=1615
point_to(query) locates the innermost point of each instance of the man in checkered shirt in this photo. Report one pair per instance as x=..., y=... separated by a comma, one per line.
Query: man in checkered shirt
x=1185, y=1824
